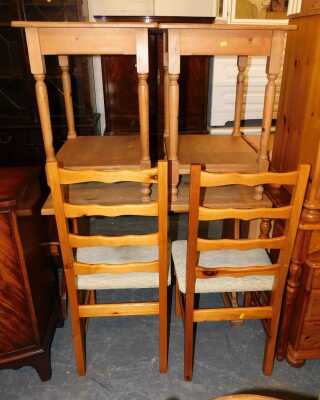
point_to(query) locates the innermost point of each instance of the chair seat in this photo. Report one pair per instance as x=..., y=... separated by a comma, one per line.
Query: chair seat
x=223, y=258
x=118, y=255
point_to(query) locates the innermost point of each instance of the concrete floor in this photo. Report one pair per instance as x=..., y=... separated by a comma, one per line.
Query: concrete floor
x=122, y=363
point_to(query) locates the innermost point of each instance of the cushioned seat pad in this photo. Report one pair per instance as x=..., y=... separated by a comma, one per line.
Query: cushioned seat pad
x=118, y=255
x=223, y=258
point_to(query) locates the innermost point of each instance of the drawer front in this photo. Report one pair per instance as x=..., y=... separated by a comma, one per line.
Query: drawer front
x=310, y=337
x=313, y=310
x=16, y=328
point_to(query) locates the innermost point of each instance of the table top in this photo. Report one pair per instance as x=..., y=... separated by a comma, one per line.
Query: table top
x=64, y=25
x=167, y=25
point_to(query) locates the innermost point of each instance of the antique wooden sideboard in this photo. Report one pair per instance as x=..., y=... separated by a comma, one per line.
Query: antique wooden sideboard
x=29, y=301
x=297, y=140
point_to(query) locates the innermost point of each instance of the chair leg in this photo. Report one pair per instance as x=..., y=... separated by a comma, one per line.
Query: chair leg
x=178, y=307
x=247, y=299
x=269, y=354
x=271, y=342
x=78, y=336
x=188, y=342
x=163, y=334
x=92, y=297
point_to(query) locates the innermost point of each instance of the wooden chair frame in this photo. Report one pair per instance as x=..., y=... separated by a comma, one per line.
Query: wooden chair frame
x=211, y=40
x=291, y=214
x=58, y=176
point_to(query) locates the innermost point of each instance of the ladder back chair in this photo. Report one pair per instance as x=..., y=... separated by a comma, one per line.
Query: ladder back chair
x=219, y=153
x=112, y=262
x=236, y=265
x=64, y=39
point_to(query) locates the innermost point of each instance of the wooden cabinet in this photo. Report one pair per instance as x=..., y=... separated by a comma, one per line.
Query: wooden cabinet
x=310, y=5
x=29, y=306
x=20, y=133
x=297, y=140
x=304, y=336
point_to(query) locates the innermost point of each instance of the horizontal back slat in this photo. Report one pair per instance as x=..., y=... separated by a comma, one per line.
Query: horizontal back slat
x=68, y=177
x=77, y=210
x=204, y=273
x=114, y=241
x=88, y=269
x=208, y=179
x=207, y=214
x=242, y=244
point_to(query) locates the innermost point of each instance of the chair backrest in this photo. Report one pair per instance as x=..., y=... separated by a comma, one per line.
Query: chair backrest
x=290, y=214
x=59, y=177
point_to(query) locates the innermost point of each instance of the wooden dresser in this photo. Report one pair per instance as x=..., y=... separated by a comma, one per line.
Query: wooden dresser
x=297, y=140
x=29, y=307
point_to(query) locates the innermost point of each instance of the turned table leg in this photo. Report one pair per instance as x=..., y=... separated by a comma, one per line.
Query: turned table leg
x=273, y=69
x=67, y=93
x=173, y=135
x=242, y=65
x=143, y=94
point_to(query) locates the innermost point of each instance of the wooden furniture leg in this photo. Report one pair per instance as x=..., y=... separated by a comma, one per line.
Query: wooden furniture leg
x=273, y=69
x=43, y=106
x=242, y=65
x=173, y=135
x=143, y=95
x=163, y=274
x=178, y=300
x=293, y=283
x=165, y=86
x=265, y=228
x=67, y=92
x=230, y=299
x=173, y=101
x=271, y=341
x=191, y=278
x=166, y=102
